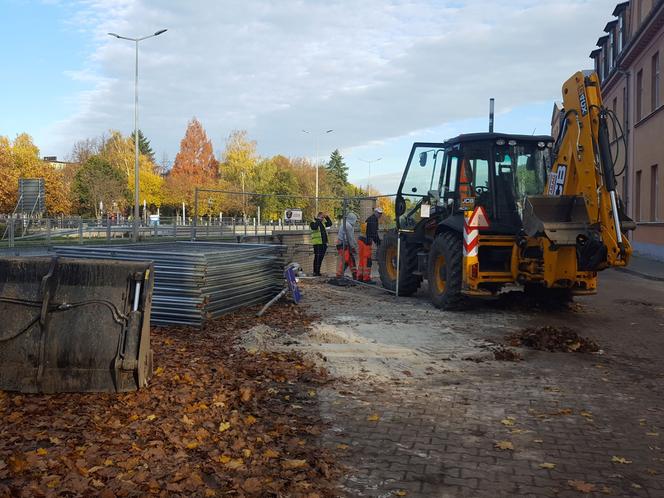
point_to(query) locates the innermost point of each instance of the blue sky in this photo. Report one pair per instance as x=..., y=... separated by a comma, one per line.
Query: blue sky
x=393, y=72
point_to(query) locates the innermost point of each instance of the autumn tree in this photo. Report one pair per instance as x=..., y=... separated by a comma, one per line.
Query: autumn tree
x=119, y=152
x=98, y=181
x=194, y=166
x=20, y=159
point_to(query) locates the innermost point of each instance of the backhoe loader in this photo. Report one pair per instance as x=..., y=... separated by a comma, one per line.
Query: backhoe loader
x=485, y=211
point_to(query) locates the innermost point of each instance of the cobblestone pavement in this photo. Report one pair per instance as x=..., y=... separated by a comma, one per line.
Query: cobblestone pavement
x=569, y=423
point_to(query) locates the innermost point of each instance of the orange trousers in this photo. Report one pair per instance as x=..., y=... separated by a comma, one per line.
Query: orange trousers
x=345, y=260
x=364, y=266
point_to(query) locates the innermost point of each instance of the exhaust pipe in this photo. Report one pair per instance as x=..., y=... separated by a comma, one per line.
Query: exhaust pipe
x=491, y=114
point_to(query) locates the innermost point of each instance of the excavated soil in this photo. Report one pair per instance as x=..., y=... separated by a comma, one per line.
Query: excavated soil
x=554, y=339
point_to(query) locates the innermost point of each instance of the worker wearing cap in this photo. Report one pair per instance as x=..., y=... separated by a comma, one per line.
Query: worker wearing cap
x=368, y=237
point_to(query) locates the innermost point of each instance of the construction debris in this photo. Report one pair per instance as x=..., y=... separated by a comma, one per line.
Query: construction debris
x=199, y=281
x=548, y=338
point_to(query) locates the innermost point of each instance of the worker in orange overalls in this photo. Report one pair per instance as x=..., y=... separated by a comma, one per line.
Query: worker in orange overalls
x=369, y=236
x=347, y=247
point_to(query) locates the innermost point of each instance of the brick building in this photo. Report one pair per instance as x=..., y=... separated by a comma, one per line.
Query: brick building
x=629, y=59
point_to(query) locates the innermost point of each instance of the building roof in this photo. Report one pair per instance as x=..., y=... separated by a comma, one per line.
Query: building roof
x=601, y=40
x=620, y=7
x=594, y=53
x=610, y=25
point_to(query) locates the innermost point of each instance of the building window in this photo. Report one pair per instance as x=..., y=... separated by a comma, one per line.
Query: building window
x=639, y=95
x=637, y=196
x=606, y=60
x=612, y=53
x=654, y=190
x=621, y=32
x=655, y=81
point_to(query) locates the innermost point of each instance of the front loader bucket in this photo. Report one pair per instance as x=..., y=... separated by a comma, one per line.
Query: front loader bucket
x=561, y=218
x=74, y=325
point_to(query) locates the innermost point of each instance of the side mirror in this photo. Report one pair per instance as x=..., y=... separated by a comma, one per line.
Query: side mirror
x=400, y=206
x=423, y=159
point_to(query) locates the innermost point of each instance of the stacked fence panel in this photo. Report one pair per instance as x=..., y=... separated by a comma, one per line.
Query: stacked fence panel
x=199, y=281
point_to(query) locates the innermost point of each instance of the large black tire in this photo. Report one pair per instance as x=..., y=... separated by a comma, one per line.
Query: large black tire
x=387, y=261
x=445, y=272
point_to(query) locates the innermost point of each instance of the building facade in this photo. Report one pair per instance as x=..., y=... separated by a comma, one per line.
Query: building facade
x=629, y=59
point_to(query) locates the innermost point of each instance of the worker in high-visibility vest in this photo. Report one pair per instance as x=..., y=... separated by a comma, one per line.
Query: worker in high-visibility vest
x=319, y=239
x=368, y=236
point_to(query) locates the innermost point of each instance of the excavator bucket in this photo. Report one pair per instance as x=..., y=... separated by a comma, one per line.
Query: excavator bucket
x=561, y=218
x=74, y=325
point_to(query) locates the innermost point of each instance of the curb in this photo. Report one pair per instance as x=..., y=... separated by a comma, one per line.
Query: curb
x=641, y=275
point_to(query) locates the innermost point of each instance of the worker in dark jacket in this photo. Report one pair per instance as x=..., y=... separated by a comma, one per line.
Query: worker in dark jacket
x=319, y=239
x=369, y=236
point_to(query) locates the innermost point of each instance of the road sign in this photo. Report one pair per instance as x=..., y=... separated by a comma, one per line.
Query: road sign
x=293, y=215
x=479, y=219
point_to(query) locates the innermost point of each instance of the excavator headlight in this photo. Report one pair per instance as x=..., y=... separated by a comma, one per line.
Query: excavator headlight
x=500, y=142
x=541, y=145
x=511, y=142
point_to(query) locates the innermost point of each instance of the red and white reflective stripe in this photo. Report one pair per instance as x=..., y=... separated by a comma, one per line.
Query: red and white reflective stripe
x=471, y=239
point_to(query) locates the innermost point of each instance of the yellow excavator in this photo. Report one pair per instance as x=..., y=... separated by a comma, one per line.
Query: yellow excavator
x=485, y=211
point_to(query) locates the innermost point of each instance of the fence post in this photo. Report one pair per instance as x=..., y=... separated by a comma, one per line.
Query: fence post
x=48, y=231
x=11, y=232
x=195, y=223
x=108, y=229
x=80, y=230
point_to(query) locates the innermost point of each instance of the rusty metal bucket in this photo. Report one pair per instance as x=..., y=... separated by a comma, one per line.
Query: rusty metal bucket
x=74, y=325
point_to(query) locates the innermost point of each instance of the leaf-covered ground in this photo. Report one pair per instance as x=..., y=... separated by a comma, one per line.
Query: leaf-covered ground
x=216, y=420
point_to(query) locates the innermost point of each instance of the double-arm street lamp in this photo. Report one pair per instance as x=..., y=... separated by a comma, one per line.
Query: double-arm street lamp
x=369, y=161
x=136, y=182
x=316, y=136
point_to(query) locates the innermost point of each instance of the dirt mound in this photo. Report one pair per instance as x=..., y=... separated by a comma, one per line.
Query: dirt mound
x=549, y=338
x=501, y=353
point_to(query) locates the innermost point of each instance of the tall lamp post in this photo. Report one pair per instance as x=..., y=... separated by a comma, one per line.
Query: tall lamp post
x=325, y=132
x=136, y=182
x=369, y=161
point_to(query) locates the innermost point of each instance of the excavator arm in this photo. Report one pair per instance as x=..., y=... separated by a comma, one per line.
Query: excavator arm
x=580, y=206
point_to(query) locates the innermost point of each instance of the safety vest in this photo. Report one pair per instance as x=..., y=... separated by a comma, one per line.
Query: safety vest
x=316, y=236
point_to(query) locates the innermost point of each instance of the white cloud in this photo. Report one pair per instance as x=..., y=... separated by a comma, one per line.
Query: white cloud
x=372, y=70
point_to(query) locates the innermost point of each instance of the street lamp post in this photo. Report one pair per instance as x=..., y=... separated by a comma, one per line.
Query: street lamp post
x=316, y=157
x=136, y=181
x=369, y=161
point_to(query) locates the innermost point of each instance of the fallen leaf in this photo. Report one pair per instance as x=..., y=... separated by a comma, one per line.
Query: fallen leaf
x=400, y=492
x=269, y=453
x=586, y=414
x=224, y=459
x=538, y=440
x=54, y=440
x=41, y=452
x=582, y=486
x=224, y=426
x=97, y=483
x=192, y=445
x=652, y=434
x=252, y=485
x=509, y=421
x=235, y=463
x=342, y=446
x=159, y=371
x=210, y=492
x=504, y=445
x=312, y=393
x=250, y=420
x=150, y=417
x=373, y=418
x=622, y=460
x=293, y=464
x=246, y=394
x=547, y=465
x=636, y=486
x=652, y=472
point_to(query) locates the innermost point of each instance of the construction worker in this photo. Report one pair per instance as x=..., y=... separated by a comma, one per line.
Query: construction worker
x=319, y=239
x=347, y=247
x=368, y=237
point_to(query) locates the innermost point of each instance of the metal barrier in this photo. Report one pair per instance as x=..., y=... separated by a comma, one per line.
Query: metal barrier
x=198, y=281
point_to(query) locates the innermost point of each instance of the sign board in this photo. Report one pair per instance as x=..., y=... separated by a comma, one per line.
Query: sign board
x=31, y=196
x=293, y=215
x=154, y=220
x=425, y=210
x=479, y=219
